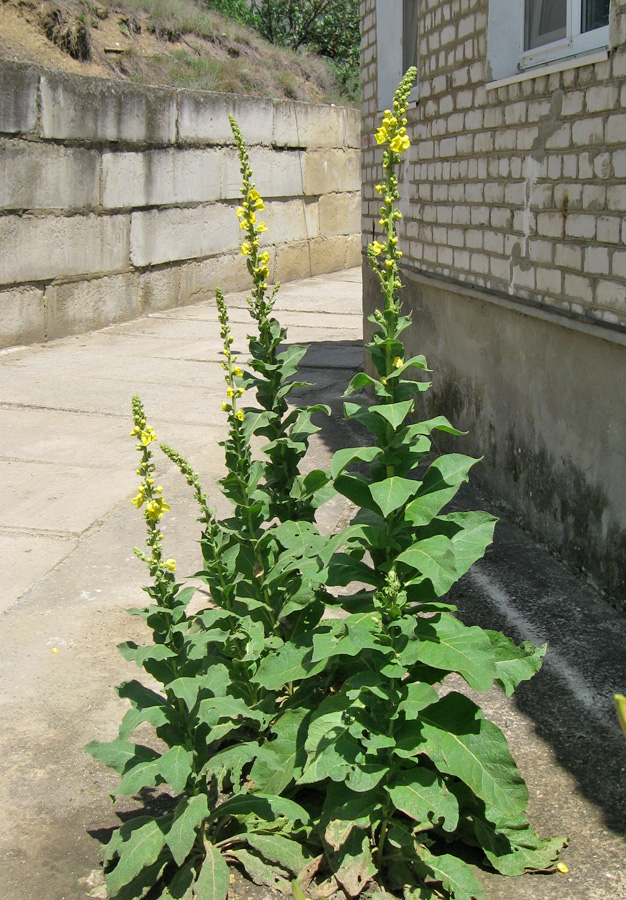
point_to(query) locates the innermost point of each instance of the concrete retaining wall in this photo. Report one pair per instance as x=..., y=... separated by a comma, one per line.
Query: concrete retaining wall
x=117, y=200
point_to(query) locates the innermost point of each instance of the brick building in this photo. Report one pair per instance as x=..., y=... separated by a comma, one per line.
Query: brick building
x=513, y=196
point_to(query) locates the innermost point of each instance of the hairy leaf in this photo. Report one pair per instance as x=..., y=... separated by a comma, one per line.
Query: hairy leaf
x=213, y=879
x=445, y=643
x=188, y=816
x=455, y=875
x=514, y=663
x=422, y=794
x=141, y=850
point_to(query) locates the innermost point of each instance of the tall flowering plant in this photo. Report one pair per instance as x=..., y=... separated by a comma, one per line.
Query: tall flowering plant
x=293, y=744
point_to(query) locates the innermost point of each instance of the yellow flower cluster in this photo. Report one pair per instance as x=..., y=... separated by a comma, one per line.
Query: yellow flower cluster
x=155, y=509
x=146, y=435
x=246, y=213
x=393, y=131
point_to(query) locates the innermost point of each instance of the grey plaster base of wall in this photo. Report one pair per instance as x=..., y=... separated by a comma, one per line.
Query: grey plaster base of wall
x=544, y=406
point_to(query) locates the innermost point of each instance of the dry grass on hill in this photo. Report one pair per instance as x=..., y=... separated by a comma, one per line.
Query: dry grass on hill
x=166, y=42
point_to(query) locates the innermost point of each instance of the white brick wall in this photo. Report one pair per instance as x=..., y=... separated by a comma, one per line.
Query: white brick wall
x=540, y=163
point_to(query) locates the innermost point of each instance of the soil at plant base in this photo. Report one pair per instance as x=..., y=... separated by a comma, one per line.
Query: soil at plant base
x=192, y=48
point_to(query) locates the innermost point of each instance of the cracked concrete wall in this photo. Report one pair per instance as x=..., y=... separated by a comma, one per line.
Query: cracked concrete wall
x=118, y=200
x=514, y=237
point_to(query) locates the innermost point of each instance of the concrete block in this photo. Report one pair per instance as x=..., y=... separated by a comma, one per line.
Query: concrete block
x=92, y=109
x=34, y=249
x=326, y=171
x=203, y=118
x=160, y=177
x=353, y=255
x=22, y=317
x=327, y=255
x=198, y=280
x=159, y=289
x=86, y=305
x=293, y=261
x=340, y=214
x=47, y=176
x=309, y=125
x=287, y=221
x=277, y=173
x=18, y=90
x=158, y=236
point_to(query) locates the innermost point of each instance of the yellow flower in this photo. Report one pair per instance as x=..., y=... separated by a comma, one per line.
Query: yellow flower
x=237, y=371
x=379, y=188
x=245, y=248
x=170, y=565
x=561, y=867
x=155, y=509
x=389, y=263
x=254, y=196
x=400, y=143
x=239, y=415
x=261, y=227
x=259, y=205
x=239, y=391
x=147, y=436
x=243, y=223
x=225, y=406
x=265, y=257
x=377, y=248
x=398, y=362
x=240, y=212
x=252, y=218
x=381, y=135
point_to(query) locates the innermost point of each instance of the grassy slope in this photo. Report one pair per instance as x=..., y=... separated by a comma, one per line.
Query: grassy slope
x=172, y=42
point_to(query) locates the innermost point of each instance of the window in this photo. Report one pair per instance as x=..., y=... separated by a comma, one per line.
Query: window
x=557, y=28
x=527, y=33
x=396, y=26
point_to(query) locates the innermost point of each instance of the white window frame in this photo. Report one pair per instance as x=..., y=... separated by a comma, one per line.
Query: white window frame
x=389, y=43
x=505, y=41
x=574, y=43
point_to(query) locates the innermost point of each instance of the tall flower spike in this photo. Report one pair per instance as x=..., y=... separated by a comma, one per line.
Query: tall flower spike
x=149, y=498
x=251, y=203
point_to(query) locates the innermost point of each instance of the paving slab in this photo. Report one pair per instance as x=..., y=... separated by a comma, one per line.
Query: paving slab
x=66, y=536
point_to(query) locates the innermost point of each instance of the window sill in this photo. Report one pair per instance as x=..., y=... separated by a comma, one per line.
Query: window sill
x=561, y=65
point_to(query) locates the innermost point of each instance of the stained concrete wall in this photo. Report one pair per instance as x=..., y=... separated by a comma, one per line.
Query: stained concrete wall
x=513, y=206
x=118, y=200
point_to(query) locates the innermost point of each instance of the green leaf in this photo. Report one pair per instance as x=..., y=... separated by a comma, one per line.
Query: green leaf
x=445, y=643
x=278, y=849
x=344, y=570
x=440, y=484
x=260, y=872
x=213, y=880
x=141, y=850
x=356, y=488
x=180, y=886
x=393, y=413
x=455, y=736
x=139, y=695
x=175, y=767
x=154, y=715
x=418, y=697
x=142, y=775
x=274, y=765
x=514, y=663
x=392, y=493
x=434, y=558
x=189, y=815
x=470, y=543
x=455, y=875
x=343, y=458
x=331, y=748
x=512, y=847
x=422, y=794
x=120, y=755
x=290, y=662
x=265, y=806
x=345, y=810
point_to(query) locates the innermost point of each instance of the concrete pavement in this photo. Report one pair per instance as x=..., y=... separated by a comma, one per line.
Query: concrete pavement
x=68, y=573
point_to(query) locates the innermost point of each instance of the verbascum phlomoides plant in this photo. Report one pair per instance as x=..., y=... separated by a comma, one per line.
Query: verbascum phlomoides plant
x=293, y=745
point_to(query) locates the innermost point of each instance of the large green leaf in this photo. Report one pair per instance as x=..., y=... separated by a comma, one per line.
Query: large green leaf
x=331, y=748
x=291, y=662
x=343, y=458
x=356, y=488
x=392, y=493
x=120, y=755
x=455, y=875
x=445, y=643
x=514, y=663
x=455, y=736
x=141, y=850
x=274, y=765
x=475, y=535
x=279, y=849
x=142, y=775
x=511, y=845
x=418, y=697
x=422, y=794
x=260, y=872
x=188, y=817
x=393, y=413
x=175, y=767
x=345, y=810
x=440, y=484
x=432, y=557
x=264, y=806
x=213, y=879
